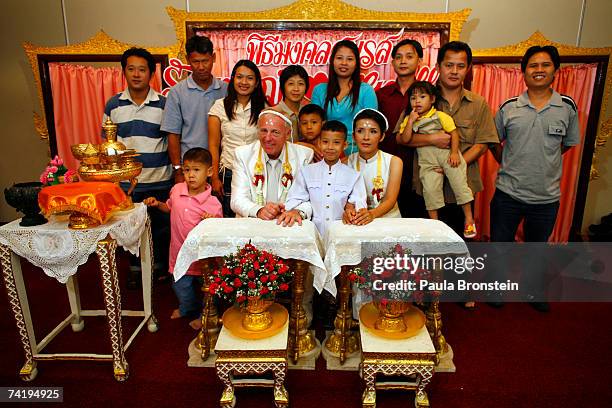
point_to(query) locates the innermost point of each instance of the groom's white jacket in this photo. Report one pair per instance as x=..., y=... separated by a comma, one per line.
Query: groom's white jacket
x=243, y=201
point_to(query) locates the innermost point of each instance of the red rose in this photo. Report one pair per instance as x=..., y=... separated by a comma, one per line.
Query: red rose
x=251, y=275
x=272, y=277
x=362, y=279
x=243, y=261
x=352, y=277
x=228, y=289
x=225, y=271
x=241, y=298
x=283, y=286
x=264, y=291
x=217, y=279
x=264, y=278
x=237, y=283
x=256, y=265
x=252, y=285
x=386, y=274
x=269, y=267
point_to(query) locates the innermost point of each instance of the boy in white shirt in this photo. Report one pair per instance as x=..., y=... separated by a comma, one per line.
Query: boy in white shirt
x=326, y=186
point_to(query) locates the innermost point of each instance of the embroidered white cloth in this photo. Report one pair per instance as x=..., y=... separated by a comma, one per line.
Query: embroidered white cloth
x=59, y=251
x=343, y=245
x=222, y=236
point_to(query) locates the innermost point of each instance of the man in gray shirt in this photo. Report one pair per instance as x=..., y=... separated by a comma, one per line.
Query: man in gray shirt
x=186, y=112
x=536, y=128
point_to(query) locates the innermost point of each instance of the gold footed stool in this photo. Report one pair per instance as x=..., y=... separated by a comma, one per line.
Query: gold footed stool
x=252, y=357
x=412, y=357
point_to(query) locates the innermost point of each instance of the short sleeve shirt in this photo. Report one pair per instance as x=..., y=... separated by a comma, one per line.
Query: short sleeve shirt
x=344, y=111
x=236, y=132
x=186, y=111
x=532, y=159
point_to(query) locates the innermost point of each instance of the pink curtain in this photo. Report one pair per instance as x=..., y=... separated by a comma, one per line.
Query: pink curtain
x=496, y=84
x=79, y=96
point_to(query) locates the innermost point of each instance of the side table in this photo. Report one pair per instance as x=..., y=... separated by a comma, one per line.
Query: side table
x=252, y=357
x=59, y=251
x=415, y=356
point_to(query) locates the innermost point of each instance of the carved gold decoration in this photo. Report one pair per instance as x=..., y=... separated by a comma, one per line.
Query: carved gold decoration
x=207, y=338
x=537, y=38
x=100, y=44
x=319, y=11
x=257, y=324
x=396, y=320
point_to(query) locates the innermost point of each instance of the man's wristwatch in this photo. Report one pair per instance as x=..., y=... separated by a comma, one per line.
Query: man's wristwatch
x=302, y=214
x=177, y=167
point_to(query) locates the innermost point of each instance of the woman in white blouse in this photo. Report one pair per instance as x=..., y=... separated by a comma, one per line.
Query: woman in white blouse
x=382, y=172
x=232, y=122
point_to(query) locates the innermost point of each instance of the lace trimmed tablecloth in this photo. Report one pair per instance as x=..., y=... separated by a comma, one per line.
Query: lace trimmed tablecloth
x=430, y=237
x=59, y=251
x=215, y=237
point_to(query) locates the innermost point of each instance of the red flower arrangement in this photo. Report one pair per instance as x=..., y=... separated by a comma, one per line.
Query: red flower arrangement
x=376, y=285
x=250, y=273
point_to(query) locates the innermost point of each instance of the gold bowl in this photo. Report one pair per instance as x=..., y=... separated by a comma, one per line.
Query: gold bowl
x=113, y=175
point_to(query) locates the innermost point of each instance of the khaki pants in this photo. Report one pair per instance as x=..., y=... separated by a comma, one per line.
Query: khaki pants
x=431, y=157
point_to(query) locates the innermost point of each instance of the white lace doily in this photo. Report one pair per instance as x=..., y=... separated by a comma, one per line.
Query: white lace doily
x=215, y=237
x=430, y=237
x=59, y=251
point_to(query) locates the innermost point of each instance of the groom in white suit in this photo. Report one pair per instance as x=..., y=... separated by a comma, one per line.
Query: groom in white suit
x=264, y=170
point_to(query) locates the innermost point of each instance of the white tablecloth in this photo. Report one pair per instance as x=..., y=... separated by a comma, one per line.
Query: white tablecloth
x=59, y=251
x=343, y=245
x=217, y=237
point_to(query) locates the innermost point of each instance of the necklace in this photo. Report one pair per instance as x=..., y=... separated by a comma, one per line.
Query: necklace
x=259, y=178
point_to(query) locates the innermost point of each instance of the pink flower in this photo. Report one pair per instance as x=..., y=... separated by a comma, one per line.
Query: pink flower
x=70, y=175
x=52, y=169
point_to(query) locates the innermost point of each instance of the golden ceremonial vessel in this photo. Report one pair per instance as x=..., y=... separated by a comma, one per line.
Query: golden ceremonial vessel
x=396, y=320
x=109, y=161
x=256, y=321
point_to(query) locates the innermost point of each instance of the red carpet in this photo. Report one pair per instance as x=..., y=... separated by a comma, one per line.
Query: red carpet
x=513, y=357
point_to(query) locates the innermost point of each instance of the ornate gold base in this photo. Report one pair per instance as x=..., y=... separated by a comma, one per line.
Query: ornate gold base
x=257, y=321
x=81, y=221
x=334, y=343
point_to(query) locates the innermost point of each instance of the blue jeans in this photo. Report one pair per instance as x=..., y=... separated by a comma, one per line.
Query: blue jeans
x=187, y=291
x=539, y=221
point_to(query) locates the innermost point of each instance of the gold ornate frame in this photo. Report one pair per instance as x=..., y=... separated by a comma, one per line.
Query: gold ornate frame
x=599, y=127
x=99, y=48
x=316, y=14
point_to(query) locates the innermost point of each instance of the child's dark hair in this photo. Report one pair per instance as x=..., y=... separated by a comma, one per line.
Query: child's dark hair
x=291, y=71
x=138, y=52
x=334, y=126
x=549, y=49
x=310, y=109
x=423, y=87
x=200, y=44
x=373, y=114
x=199, y=155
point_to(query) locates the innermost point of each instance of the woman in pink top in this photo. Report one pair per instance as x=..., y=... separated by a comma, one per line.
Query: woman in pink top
x=189, y=203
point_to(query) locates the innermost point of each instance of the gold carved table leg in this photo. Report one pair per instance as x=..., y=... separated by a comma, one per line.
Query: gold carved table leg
x=147, y=261
x=343, y=341
x=423, y=369
x=300, y=339
x=105, y=250
x=226, y=366
x=18, y=300
x=207, y=337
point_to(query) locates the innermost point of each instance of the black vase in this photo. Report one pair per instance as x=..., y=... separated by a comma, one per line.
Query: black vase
x=24, y=197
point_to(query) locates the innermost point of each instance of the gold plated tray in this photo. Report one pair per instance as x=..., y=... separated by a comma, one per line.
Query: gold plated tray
x=232, y=320
x=413, y=318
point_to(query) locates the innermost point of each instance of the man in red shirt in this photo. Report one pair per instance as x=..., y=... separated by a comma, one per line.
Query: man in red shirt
x=392, y=102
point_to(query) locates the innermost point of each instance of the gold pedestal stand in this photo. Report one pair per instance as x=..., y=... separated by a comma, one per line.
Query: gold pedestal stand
x=301, y=341
x=207, y=338
x=343, y=341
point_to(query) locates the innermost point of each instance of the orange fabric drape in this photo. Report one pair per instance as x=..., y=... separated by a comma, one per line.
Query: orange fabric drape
x=496, y=84
x=79, y=96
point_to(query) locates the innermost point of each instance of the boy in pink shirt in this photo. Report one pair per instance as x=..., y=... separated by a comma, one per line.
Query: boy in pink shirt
x=190, y=202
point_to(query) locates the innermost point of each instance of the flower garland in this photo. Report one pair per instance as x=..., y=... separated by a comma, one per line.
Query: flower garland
x=56, y=173
x=259, y=178
x=378, y=183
